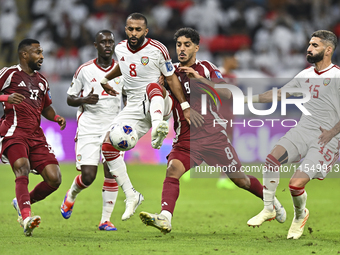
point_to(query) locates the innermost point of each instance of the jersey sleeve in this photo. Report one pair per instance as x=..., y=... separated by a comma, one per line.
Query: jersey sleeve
x=165, y=64
x=76, y=86
x=6, y=75
x=47, y=98
x=294, y=83
x=215, y=73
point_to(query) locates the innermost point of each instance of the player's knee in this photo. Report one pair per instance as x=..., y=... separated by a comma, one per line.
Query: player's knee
x=21, y=167
x=154, y=89
x=174, y=171
x=53, y=177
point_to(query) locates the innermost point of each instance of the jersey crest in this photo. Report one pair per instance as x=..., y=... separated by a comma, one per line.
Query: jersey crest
x=326, y=81
x=145, y=60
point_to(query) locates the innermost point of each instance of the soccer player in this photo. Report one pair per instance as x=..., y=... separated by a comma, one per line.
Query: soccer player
x=315, y=138
x=95, y=108
x=25, y=97
x=192, y=145
x=141, y=61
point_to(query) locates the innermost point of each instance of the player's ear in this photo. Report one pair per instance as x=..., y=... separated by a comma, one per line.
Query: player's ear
x=329, y=51
x=197, y=48
x=146, y=31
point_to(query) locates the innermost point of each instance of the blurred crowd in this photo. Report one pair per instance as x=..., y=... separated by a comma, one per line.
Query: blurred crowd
x=268, y=37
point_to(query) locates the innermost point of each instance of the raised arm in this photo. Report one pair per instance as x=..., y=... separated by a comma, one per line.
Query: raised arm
x=266, y=97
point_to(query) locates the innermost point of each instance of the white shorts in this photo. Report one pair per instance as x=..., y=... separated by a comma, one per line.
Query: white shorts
x=89, y=150
x=317, y=160
x=137, y=114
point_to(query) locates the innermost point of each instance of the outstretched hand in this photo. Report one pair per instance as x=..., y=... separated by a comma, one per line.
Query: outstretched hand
x=193, y=117
x=15, y=98
x=61, y=122
x=91, y=98
x=325, y=137
x=108, y=89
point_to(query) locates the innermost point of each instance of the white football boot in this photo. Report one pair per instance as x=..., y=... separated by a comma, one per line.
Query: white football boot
x=158, y=221
x=131, y=205
x=158, y=134
x=264, y=215
x=296, y=229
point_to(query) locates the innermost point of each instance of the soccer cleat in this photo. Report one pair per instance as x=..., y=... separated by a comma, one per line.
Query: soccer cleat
x=296, y=229
x=156, y=220
x=66, y=207
x=31, y=224
x=108, y=226
x=264, y=215
x=16, y=207
x=131, y=205
x=158, y=134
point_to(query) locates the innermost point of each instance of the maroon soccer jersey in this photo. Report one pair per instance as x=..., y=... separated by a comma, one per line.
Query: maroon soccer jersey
x=23, y=119
x=192, y=90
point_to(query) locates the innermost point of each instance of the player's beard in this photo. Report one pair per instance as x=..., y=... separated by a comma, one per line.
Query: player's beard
x=33, y=65
x=140, y=41
x=315, y=58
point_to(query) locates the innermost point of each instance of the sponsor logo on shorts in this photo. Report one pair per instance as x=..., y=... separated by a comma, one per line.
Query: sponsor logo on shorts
x=79, y=157
x=145, y=60
x=326, y=81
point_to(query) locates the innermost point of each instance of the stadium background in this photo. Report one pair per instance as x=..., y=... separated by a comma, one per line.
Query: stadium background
x=268, y=39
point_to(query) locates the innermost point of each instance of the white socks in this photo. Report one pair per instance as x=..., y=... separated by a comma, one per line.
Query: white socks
x=109, y=201
x=270, y=183
x=118, y=170
x=156, y=110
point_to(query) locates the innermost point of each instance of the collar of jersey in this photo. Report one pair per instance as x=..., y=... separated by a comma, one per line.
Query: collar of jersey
x=142, y=47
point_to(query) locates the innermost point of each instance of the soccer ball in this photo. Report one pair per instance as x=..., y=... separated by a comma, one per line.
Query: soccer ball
x=123, y=137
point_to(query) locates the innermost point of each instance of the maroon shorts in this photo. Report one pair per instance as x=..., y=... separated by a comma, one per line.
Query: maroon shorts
x=214, y=150
x=36, y=150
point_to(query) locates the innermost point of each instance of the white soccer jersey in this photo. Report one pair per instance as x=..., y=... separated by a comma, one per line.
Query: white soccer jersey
x=143, y=66
x=324, y=104
x=94, y=119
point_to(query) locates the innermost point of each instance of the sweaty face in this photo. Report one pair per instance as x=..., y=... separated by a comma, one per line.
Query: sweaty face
x=315, y=51
x=135, y=31
x=35, y=56
x=186, y=50
x=105, y=43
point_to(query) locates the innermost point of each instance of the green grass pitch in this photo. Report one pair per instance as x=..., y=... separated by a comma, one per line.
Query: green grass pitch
x=207, y=220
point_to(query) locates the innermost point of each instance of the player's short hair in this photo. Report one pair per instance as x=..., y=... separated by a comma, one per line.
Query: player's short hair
x=138, y=16
x=26, y=42
x=188, y=32
x=326, y=37
x=106, y=31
